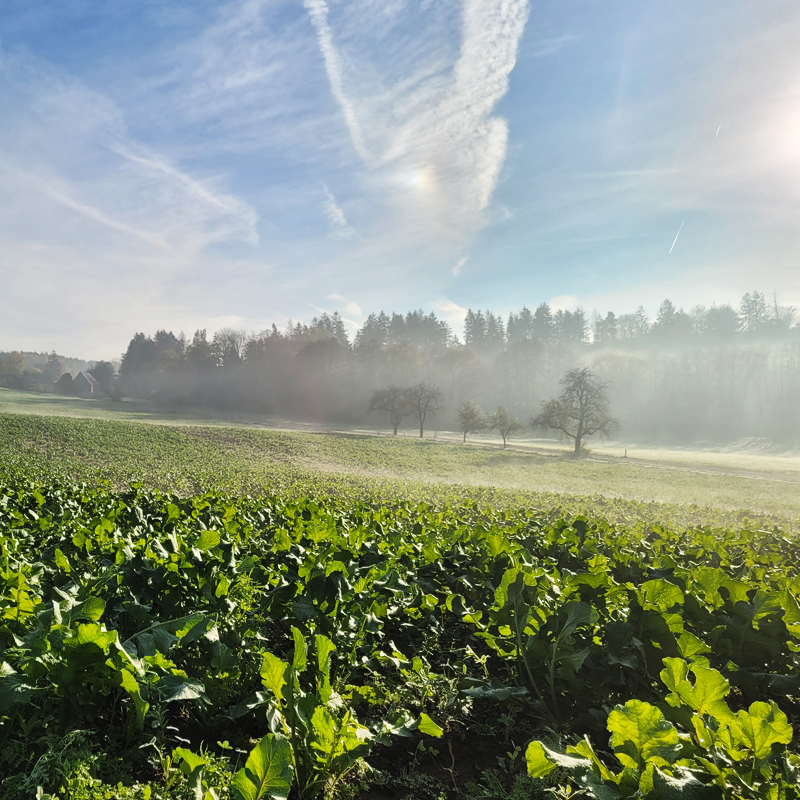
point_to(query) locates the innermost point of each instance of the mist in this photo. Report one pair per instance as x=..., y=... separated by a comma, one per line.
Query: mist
x=709, y=376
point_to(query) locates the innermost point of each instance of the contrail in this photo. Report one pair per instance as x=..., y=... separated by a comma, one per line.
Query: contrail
x=676, y=236
x=718, y=130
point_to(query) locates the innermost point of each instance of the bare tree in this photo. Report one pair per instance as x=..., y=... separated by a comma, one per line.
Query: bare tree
x=504, y=424
x=423, y=399
x=580, y=410
x=393, y=401
x=470, y=419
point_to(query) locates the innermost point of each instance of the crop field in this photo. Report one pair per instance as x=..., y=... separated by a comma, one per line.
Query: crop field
x=188, y=458
x=199, y=612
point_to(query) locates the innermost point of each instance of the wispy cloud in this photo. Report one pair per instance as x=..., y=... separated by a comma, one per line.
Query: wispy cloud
x=336, y=219
x=428, y=135
x=90, y=212
x=244, y=218
x=50, y=187
x=318, y=11
x=459, y=264
x=552, y=45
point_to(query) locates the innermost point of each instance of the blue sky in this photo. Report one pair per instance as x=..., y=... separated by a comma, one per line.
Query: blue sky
x=188, y=163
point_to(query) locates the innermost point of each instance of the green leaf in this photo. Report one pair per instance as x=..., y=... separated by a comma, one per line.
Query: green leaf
x=91, y=608
x=192, y=760
x=585, y=750
x=491, y=690
x=208, y=540
x=174, y=688
x=573, y=615
x=61, y=561
x=538, y=763
x=660, y=594
x=131, y=686
x=705, y=697
x=268, y=772
x=760, y=727
x=273, y=674
x=541, y=761
x=691, y=647
x=299, y=659
x=92, y=634
x=191, y=628
x=304, y=609
x=640, y=734
x=686, y=787
x=428, y=726
x=13, y=691
x=324, y=726
x=325, y=648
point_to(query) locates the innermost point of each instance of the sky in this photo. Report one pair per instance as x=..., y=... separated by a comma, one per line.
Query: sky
x=188, y=164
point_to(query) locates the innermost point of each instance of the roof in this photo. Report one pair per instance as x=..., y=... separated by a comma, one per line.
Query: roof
x=87, y=377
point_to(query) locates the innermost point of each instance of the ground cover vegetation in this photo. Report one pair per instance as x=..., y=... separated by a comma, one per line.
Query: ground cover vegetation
x=232, y=646
x=187, y=459
x=291, y=633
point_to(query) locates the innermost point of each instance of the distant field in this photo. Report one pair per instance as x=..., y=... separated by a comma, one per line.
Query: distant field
x=188, y=458
x=756, y=456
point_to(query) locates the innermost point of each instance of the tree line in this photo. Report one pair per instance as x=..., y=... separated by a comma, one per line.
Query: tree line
x=707, y=374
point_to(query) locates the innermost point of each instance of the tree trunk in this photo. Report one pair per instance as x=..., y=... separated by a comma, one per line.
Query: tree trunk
x=394, y=433
x=420, y=430
x=465, y=438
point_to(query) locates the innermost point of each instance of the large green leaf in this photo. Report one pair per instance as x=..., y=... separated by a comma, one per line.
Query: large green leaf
x=541, y=761
x=705, y=696
x=92, y=634
x=685, y=786
x=268, y=772
x=324, y=727
x=760, y=727
x=174, y=688
x=208, y=540
x=92, y=609
x=660, y=595
x=640, y=734
x=325, y=648
x=131, y=686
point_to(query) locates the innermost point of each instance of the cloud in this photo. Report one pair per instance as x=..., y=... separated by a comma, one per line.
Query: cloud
x=318, y=12
x=552, y=45
x=452, y=313
x=50, y=188
x=77, y=152
x=425, y=130
x=87, y=211
x=459, y=264
x=350, y=306
x=337, y=221
x=242, y=215
x=564, y=302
